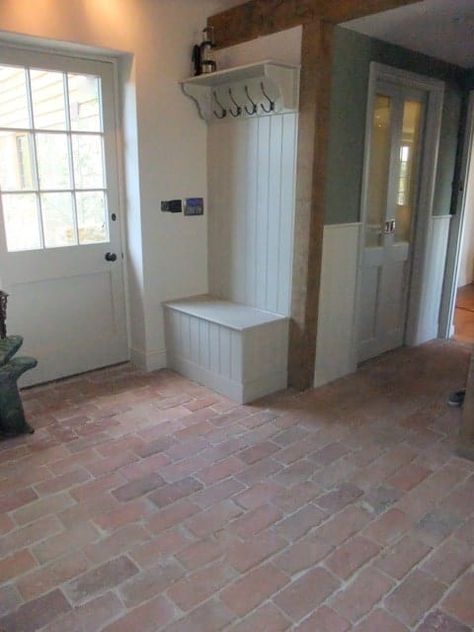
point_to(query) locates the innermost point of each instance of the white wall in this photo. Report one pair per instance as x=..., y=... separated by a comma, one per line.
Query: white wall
x=466, y=262
x=166, y=149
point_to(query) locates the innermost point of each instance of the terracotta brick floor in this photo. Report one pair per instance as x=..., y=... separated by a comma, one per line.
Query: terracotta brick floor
x=146, y=502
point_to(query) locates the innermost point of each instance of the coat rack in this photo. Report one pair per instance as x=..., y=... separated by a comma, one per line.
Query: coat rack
x=260, y=89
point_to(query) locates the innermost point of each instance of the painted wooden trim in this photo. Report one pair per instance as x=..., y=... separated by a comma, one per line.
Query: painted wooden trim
x=448, y=301
x=229, y=86
x=311, y=175
x=409, y=79
x=264, y=17
x=337, y=303
x=422, y=268
x=426, y=326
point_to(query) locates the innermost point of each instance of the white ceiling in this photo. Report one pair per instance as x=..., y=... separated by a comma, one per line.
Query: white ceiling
x=440, y=28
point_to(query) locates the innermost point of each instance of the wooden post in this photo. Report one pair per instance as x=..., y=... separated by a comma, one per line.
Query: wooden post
x=466, y=436
x=310, y=190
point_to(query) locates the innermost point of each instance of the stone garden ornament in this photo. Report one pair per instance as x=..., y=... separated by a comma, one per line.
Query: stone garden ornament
x=12, y=415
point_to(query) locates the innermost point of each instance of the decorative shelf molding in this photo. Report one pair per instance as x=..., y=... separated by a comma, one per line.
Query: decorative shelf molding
x=260, y=89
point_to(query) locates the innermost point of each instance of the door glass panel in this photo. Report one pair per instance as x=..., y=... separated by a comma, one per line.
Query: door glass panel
x=379, y=169
x=20, y=212
x=55, y=155
x=409, y=154
x=14, y=111
x=58, y=220
x=88, y=164
x=47, y=93
x=16, y=172
x=84, y=103
x=91, y=217
x=53, y=161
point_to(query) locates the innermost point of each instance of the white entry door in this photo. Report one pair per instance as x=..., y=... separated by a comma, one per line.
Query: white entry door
x=396, y=142
x=60, y=246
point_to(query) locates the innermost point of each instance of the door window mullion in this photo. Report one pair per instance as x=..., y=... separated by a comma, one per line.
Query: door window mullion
x=394, y=171
x=71, y=158
x=35, y=159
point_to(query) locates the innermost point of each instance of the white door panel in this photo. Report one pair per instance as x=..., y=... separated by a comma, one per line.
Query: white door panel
x=370, y=289
x=59, y=212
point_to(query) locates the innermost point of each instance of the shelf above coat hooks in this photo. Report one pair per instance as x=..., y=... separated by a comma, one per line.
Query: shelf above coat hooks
x=261, y=89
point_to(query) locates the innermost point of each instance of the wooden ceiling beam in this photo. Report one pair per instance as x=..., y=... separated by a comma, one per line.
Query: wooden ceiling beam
x=253, y=19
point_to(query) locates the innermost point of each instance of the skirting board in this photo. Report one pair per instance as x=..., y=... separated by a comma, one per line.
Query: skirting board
x=152, y=361
x=240, y=392
x=337, y=303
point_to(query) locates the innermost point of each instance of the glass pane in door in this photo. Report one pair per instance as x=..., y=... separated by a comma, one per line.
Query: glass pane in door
x=20, y=211
x=53, y=190
x=14, y=110
x=58, y=220
x=47, y=94
x=16, y=171
x=379, y=170
x=84, y=103
x=91, y=217
x=409, y=158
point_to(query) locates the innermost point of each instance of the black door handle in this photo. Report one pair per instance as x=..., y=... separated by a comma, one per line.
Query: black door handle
x=110, y=256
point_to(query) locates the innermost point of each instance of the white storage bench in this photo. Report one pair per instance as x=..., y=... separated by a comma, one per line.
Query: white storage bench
x=234, y=349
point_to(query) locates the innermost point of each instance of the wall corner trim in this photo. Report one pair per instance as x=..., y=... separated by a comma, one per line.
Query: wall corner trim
x=337, y=303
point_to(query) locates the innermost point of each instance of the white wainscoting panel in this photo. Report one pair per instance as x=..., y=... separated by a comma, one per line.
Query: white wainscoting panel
x=337, y=303
x=434, y=267
x=251, y=165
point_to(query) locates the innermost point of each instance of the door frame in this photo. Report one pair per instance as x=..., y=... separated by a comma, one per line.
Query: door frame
x=417, y=298
x=25, y=44
x=456, y=233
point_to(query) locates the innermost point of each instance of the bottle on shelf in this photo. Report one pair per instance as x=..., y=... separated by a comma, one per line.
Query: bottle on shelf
x=207, y=58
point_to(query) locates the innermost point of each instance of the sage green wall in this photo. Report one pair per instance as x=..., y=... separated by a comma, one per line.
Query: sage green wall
x=469, y=82
x=353, y=53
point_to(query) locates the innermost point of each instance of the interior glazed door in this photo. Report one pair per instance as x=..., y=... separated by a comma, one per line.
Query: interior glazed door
x=60, y=246
x=396, y=141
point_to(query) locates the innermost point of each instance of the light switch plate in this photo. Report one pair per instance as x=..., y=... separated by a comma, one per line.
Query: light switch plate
x=171, y=206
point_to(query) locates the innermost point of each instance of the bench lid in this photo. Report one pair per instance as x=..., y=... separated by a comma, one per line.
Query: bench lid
x=225, y=313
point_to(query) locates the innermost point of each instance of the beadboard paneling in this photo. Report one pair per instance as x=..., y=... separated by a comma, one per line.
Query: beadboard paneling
x=251, y=210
